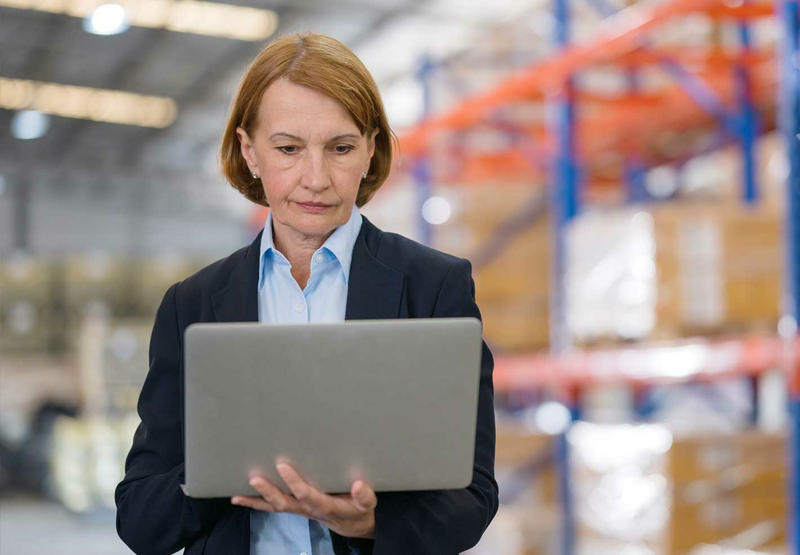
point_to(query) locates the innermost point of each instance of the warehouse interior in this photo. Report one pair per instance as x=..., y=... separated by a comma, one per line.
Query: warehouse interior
x=623, y=175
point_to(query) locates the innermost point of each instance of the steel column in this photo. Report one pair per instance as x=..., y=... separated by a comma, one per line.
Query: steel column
x=635, y=176
x=422, y=167
x=564, y=198
x=788, y=12
x=563, y=191
x=748, y=120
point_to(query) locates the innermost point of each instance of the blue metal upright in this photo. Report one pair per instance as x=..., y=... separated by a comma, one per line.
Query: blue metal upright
x=424, y=185
x=564, y=200
x=748, y=120
x=422, y=166
x=635, y=179
x=644, y=403
x=789, y=119
x=564, y=194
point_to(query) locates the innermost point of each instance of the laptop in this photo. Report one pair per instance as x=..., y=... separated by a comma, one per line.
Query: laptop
x=392, y=402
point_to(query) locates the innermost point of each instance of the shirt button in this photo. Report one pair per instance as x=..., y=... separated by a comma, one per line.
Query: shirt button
x=304, y=553
x=318, y=259
x=299, y=308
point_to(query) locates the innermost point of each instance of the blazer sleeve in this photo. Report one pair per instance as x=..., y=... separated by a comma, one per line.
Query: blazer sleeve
x=445, y=522
x=153, y=514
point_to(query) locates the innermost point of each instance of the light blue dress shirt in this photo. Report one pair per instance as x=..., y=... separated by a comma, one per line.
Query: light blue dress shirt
x=281, y=301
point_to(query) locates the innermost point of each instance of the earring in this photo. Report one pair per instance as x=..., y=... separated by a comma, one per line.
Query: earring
x=255, y=175
x=364, y=175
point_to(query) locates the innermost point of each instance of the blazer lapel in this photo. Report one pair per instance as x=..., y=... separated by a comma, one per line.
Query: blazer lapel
x=374, y=289
x=237, y=301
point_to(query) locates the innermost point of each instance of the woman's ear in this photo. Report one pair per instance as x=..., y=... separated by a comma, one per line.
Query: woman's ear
x=371, y=141
x=247, y=149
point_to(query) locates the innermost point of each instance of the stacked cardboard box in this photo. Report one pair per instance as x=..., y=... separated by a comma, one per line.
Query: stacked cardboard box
x=97, y=285
x=719, y=268
x=44, y=301
x=634, y=273
x=527, y=522
x=640, y=486
x=727, y=485
x=512, y=276
x=723, y=550
x=611, y=280
x=27, y=316
x=518, y=449
x=125, y=363
x=154, y=275
x=88, y=460
x=112, y=364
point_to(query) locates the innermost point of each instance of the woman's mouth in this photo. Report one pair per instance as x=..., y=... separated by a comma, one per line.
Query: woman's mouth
x=313, y=207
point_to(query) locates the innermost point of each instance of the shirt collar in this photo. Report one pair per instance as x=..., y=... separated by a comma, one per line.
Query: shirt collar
x=340, y=244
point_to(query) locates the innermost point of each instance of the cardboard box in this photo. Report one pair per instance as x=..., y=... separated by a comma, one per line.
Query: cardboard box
x=634, y=272
x=639, y=485
x=527, y=522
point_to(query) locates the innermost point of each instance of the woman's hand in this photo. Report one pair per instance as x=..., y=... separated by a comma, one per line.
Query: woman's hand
x=351, y=515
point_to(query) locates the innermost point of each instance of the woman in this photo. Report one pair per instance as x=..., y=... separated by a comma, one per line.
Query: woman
x=307, y=135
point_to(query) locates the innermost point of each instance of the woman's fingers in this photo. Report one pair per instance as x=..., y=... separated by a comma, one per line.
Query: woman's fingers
x=317, y=503
x=364, y=496
x=325, y=507
x=346, y=513
x=254, y=502
x=281, y=502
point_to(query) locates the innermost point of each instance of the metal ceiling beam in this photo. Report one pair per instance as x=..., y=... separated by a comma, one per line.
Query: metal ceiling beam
x=195, y=94
x=73, y=131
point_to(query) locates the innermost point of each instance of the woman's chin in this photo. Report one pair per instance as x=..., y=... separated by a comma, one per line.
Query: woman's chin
x=318, y=224
x=315, y=227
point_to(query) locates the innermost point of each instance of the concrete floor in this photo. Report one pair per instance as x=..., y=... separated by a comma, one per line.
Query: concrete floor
x=36, y=527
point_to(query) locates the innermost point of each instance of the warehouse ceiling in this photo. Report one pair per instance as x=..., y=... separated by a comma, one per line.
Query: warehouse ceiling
x=175, y=166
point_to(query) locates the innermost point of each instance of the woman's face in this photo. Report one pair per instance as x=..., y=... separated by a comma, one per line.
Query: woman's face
x=310, y=156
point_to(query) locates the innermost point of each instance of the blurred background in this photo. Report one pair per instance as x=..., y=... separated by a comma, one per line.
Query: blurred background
x=624, y=176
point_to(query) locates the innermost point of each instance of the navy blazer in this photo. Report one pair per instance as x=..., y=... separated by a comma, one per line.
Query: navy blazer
x=390, y=277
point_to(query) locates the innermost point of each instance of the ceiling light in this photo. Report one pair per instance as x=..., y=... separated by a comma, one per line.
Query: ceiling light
x=29, y=124
x=185, y=16
x=87, y=103
x=436, y=210
x=108, y=19
x=662, y=182
x=552, y=418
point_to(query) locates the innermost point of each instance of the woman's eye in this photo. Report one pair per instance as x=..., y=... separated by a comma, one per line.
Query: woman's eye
x=288, y=149
x=342, y=149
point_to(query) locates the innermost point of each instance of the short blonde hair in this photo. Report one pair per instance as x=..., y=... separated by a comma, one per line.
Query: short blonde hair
x=325, y=65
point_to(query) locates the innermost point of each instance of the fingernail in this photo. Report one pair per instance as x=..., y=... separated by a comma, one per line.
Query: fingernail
x=235, y=500
x=253, y=481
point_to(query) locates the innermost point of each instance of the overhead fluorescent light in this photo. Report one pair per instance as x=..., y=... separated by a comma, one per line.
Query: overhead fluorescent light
x=184, y=16
x=29, y=124
x=87, y=103
x=108, y=19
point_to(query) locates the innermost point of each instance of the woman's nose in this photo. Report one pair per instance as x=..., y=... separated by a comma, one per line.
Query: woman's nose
x=316, y=175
